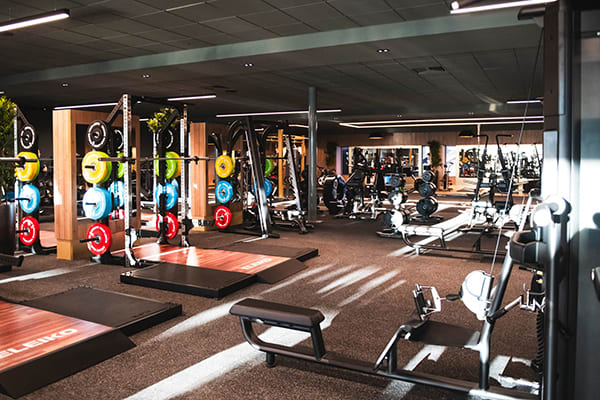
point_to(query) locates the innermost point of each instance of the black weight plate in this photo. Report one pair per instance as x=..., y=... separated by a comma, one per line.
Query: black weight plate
x=97, y=134
x=27, y=137
x=427, y=206
x=118, y=139
x=427, y=189
x=427, y=176
x=168, y=138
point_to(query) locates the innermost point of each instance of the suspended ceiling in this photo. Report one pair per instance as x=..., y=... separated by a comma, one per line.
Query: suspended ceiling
x=437, y=64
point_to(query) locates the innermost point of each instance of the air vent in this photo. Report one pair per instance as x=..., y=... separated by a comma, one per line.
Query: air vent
x=430, y=70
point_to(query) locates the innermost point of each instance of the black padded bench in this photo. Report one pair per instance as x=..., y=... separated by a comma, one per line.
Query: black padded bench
x=281, y=316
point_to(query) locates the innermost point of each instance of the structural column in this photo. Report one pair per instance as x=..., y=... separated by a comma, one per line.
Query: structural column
x=312, y=153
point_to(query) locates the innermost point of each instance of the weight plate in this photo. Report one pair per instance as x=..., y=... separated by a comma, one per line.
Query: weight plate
x=224, y=166
x=97, y=203
x=168, y=138
x=27, y=137
x=172, y=225
x=118, y=139
x=427, y=206
x=427, y=189
x=120, y=166
x=427, y=176
x=222, y=217
x=397, y=218
x=30, y=231
x=97, y=134
x=173, y=169
x=268, y=187
x=30, y=198
x=396, y=181
x=170, y=191
x=269, y=166
x=103, y=237
x=224, y=192
x=30, y=170
x=117, y=189
x=95, y=171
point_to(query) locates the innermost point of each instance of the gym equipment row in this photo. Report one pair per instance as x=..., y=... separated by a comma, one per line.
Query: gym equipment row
x=526, y=248
x=483, y=217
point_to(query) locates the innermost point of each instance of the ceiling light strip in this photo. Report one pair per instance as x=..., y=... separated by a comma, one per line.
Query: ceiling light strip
x=34, y=20
x=498, y=6
x=350, y=125
x=199, y=97
x=523, y=101
x=85, y=106
x=335, y=110
x=410, y=121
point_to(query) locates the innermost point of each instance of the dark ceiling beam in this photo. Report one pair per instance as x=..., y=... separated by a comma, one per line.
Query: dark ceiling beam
x=366, y=34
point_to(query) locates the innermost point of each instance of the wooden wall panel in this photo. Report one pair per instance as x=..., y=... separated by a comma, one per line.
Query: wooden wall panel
x=67, y=227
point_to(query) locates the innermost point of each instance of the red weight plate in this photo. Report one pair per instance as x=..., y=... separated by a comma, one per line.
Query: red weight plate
x=117, y=214
x=172, y=225
x=222, y=217
x=30, y=228
x=103, y=238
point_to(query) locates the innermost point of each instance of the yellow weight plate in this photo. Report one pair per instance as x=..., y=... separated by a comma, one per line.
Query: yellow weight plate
x=172, y=154
x=30, y=170
x=93, y=170
x=224, y=166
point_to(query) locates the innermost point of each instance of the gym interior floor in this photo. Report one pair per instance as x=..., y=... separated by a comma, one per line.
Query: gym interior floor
x=361, y=282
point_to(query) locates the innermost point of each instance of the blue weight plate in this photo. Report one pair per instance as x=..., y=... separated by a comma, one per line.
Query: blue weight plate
x=117, y=189
x=171, y=191
x=224, y=192
x=97, y=203
x=268, y=187
x=30, y=198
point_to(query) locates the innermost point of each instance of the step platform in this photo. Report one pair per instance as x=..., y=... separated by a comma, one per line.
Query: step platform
x=207, y=272
x=38, y=347
x=130, y=314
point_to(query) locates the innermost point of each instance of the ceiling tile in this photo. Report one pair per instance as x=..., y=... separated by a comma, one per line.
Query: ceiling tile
x=331, y=24
x=292, y=29
x=358, y=7
x=161, y=35
x=128, y=8
x=126, y=25
x=231, y=25
x=383, y=17
x=163, y=20
x=270, y=18
x=308, y=13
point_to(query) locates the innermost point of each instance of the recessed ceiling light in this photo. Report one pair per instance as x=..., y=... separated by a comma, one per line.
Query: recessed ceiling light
x=375, y=136
x=383, y=50
x=248, y=65
x=64, y=84
x=146, y=76
x=1, y=91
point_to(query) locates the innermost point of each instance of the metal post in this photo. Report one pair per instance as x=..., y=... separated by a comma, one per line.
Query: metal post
x=184, y=150
x=130, y=260
x=17, y=187
x=312, y=153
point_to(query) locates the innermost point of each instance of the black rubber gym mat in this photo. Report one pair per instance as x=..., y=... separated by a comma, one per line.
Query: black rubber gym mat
x=300, y=254
x=188, y=279
x=128, y=313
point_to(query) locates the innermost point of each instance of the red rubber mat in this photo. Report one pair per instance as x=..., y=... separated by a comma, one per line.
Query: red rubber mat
x=223, y=260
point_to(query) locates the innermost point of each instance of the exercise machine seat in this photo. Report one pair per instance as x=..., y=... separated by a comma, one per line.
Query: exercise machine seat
x=276, y=313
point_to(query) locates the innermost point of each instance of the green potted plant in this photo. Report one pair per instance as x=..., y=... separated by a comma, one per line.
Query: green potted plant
x=7, y=170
